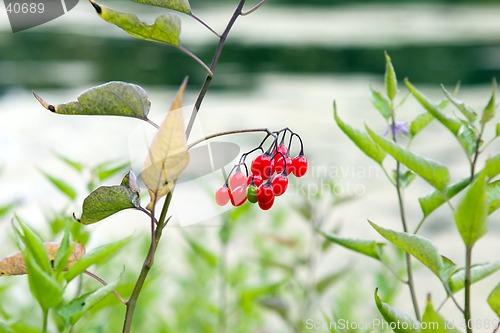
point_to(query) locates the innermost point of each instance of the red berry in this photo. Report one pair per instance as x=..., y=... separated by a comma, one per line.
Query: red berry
x=299, y=165
x=252, y=193
x=262, y=166
x=266, y=206
x=281, y=150
x=222, y=196
x=279, y=184
x=265, y=193
x=237, y=179
x=257, y=180
x=239, y=195
x=280, y=166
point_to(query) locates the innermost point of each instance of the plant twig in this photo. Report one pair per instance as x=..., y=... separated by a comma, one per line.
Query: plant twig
x=92, y=275
x=254, y=8
x=467, y=284
x=212, y=136
x=204, y=24
x=198, y=60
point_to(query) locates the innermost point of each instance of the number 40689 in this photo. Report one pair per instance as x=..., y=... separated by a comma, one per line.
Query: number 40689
x=25, y=8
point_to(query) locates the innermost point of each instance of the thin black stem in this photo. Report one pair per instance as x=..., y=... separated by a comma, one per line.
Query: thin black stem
x=496, y=328
x=152, y=123
x=216, y=135
x=198, y=60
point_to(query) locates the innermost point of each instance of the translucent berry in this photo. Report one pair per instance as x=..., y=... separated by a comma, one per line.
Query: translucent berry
x=279, y=184
x=256, y=179
x=238, y=196
x=252, y=193
x=299, y=165
x=222, y=196
x=262, y=166
x=237, y=179
x=265, y=193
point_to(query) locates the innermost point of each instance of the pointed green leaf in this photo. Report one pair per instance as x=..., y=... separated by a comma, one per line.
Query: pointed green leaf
x=493, y=166
x=381, y=104
x=391, y=82
x=360, y=139
x=431, y=202
x=178, y=5
x=61, y=185
x=110, y=99
x=166, y=28
x=489, y=110
x=367, y=247
x=494, y=300
x=94, y=257
x=493, y=193
x=107, y=170
x=419, y=247
x=472, y=211
x=478, y=272
x=33, y=245
x=43, y=285
x=469, y=113
x=433, y=322
x=434, y=173
x=401, y=322
x=8, y=207
x=74, y=310
x=77, y=166
x=419, y=123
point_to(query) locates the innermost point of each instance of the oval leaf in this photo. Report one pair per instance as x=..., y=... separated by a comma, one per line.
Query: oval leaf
x=489, y=110
x=434, y=173
x=434, y=322
x=494, y=300
x=420, y=248
x=433, y=201
x=110, y=99
x=391, y=82
x=419, y=123
x=472, y=211
x=178, y=5
x=401, y=322
x=381, y=104
x=166, y=29
x=367, y=247
x=360, y=139
x=478, y=272
x=168, y=155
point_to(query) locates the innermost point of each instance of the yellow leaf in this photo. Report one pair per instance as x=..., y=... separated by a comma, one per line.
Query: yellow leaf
x=168, y=155
x=15, y=265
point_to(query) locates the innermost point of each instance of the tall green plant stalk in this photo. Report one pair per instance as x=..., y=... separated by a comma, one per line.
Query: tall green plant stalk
x=158, y=226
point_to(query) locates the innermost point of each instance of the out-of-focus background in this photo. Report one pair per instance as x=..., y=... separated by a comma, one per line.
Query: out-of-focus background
x=282, y=66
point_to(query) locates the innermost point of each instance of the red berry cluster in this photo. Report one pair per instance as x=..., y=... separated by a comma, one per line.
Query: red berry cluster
x=268, y=176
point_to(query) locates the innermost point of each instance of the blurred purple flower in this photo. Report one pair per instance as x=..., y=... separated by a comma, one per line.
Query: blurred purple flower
x=397, y=128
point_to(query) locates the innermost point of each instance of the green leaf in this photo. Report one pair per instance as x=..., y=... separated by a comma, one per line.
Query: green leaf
x=61, y=185
x=208, y=256
x=77, y=166
x=431, y=202
x=472, y=211
x=43, y=285
x=434, y=173
x=94, y=257
x=166, y=28
x=8, y=207
x=494, y=300
x=4, y=328
x=367, y=247
x=360, y=139
x=178, y=5
x=493, y=166
x=323, y=284
x=434, y=322
x=489, y=110
x=168, y=155
x=108, y=200
x=493, y=193
x=497, y=131
x=419, y=123
x=74, y=310
x=419, y=247
x=33, y=245
x=63, y=252
x=478, y=272
x=401, y=322
x=105, y=170
x=391, y=82
x=110, y=99
x=469, y=113
x=381, y=104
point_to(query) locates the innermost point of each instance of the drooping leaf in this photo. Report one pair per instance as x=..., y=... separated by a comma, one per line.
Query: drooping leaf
x=493, y=193
x=469, y=113
x=94, y=257
x=419, y=247
x=472, y=211
x=367, y=247
x=166, y=28
x=401, y=322
x=381, y=104
x=110, y=99
x=61, y=185
x=168, y=155
x=489, y=110
x=108, y=200
x=478, y=272
x=178, y=5
x=433, y=322
x=391, y=82
x=75, y=309
x=419, y=123
x=434, y=173
x=494, y=300
x=360, y=139
x=431, y=202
